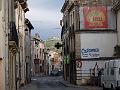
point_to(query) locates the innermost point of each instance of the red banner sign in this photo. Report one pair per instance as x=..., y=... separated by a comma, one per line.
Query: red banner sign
x=95, y=17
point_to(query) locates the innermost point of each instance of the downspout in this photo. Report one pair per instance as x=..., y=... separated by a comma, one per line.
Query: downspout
x=19, y=44
x=6, y=27
x=117, y=28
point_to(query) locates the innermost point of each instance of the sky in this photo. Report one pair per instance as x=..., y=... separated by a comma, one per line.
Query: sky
x=45, y=16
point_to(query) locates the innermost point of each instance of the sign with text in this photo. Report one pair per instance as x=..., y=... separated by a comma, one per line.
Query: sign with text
x=95, y=17
x=90, y=53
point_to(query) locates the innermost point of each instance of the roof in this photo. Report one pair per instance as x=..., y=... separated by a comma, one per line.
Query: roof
x=28, y=23
x=24, y=5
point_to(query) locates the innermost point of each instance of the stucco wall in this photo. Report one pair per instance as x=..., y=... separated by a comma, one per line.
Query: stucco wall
x=2, y=76
x=105, y=42
x=2, y=67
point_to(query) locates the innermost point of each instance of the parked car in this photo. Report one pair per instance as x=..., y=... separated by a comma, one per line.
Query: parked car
x=111, y=75
x=54, y=72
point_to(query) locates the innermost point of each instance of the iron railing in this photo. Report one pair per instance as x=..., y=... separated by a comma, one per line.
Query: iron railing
x=115, y=1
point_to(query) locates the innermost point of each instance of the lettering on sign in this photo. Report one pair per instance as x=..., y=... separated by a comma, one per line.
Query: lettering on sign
x=90, y=53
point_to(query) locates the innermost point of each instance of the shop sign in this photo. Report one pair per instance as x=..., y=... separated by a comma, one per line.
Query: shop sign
x=95, y=17
x=90, y=53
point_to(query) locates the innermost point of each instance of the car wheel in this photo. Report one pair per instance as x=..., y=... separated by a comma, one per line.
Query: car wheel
x=103, y=87
x=112, y=88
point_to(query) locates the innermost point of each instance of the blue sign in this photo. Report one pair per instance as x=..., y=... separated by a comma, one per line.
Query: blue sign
x=90, y=53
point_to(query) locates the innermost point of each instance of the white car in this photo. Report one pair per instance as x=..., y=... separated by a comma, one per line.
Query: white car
x=111, y=75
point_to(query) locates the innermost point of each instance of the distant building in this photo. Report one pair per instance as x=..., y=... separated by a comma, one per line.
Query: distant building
x=53, y=55
x=38, y=47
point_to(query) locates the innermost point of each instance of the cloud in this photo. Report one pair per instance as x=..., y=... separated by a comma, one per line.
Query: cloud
x=45, y=16
x=36, y=14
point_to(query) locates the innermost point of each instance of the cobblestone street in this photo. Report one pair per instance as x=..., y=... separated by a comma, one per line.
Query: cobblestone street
x=45, y=83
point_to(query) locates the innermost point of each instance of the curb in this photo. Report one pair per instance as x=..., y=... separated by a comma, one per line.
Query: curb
x=63, y=84
x=68, y=85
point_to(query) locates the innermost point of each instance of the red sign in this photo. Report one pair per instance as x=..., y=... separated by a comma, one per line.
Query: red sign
x=95, y=17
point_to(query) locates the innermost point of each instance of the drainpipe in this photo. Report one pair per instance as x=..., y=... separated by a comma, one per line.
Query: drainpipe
x=6, y=29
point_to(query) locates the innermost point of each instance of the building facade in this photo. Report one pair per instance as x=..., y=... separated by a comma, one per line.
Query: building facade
x=38, y=53
x=10, y=23
x=20, y=9
x=9, y=46
x=89, y=37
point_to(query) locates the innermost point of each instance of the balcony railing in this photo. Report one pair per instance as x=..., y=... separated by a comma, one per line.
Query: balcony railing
x=115, y=1
x=116, y=5
x=13, y=36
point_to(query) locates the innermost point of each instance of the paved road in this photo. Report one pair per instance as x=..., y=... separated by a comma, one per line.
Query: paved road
x=52, y=83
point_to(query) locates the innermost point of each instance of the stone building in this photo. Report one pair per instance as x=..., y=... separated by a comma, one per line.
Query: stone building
x=12, y=22
x=8, y=46
x=38, y=53
x=89, y=37
x=20, y=9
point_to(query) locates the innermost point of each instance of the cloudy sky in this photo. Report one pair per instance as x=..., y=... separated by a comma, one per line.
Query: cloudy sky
x=45, y=16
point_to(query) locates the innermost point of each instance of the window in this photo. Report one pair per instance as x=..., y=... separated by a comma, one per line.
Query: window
x=105, y=65
x=119, y=71
x=112, y=71
x=107, y=71
x=0, y=5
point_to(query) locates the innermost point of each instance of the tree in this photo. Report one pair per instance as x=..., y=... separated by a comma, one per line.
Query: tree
x=58, y=45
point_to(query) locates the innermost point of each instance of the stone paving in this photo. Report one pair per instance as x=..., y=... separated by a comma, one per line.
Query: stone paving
x=57, y=83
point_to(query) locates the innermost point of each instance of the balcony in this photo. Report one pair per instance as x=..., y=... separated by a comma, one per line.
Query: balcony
x=13, y=36
x=115, y=1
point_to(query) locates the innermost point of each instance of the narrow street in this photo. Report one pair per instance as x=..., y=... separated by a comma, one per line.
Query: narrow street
x=59, y=44
x=50, y=83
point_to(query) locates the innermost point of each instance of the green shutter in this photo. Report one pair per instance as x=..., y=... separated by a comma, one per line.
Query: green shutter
x=65, y=60
x=68, y=59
